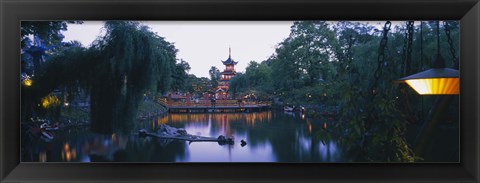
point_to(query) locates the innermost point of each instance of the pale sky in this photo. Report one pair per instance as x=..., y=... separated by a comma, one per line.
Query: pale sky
x=205, y=43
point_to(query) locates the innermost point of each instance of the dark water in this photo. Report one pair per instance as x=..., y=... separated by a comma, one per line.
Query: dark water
x=271, y=137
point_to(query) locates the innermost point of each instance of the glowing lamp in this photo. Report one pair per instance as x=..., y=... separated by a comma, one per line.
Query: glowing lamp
x=436, y=81
x=49, y=101
x=27, y=82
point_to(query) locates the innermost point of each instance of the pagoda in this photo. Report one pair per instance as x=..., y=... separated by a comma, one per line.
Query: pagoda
x=226, y=76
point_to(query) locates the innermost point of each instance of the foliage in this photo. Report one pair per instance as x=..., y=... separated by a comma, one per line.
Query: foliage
x=334, y=64
x=238, y=85
x=48, y=31
x=257, y=79
x=196, y=86
x=215, y=75
x=117, y=70
x=180, y=75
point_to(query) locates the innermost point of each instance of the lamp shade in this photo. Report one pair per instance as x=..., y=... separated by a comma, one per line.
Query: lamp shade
x=436, y=81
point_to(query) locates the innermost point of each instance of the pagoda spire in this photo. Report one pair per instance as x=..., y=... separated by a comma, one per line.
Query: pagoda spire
x=229, y=59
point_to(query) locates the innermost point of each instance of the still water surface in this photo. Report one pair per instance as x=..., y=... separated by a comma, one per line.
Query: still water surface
x=271, y=137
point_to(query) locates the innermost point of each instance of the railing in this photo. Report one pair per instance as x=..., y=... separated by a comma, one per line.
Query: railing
x=162, y=101
x=217, y=103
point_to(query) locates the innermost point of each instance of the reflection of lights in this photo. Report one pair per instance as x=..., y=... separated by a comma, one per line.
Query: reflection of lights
x=325, y=125
x=328, y=151
x=303, y=116
x=162, y=120
x=67, y=153
x=42, y=157
x=114, y=138
x=250, y=118
x=309, y=128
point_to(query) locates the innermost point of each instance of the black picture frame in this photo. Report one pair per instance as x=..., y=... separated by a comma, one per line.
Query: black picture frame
x=12, y=12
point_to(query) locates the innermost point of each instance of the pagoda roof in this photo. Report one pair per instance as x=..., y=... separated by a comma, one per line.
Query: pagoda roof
x=228, y=72
x=229, y=61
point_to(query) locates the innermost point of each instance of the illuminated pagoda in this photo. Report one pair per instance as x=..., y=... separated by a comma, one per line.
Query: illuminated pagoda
x=226, y=76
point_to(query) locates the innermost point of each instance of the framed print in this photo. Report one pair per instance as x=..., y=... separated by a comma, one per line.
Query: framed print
x=239, y=91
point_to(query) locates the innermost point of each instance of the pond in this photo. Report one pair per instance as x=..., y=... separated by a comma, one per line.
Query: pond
x=271, y=136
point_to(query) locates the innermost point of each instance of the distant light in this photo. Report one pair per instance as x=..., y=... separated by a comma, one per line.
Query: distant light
x=27, y=82
x=49, y=101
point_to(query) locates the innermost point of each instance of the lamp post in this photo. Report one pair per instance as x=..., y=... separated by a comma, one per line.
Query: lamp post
x=436, y=81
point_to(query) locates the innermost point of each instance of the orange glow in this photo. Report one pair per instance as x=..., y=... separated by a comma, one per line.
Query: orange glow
x=68, y=156
x=435, y=86
x=67, y=153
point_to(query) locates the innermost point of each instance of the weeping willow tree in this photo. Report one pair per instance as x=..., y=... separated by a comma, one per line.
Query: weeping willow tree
x=132, y=60
x=117, y=70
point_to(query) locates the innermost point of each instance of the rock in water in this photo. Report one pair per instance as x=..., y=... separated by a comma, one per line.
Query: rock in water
x=142, y=133
x=221, y=138
x=182, y=131
x=243, y=143
x=168, y=130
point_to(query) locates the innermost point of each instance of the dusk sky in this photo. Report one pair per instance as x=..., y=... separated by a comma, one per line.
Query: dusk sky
x=205, y=43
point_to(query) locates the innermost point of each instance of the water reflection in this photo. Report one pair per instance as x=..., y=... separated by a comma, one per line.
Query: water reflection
x=271, y=137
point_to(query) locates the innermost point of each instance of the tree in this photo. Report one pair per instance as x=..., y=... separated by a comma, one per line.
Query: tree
x=46, y=37
x=48, y=31
x=238, y=84
x=304, y=58
x=195, y=85
x=180, y=75
x=214, y=76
